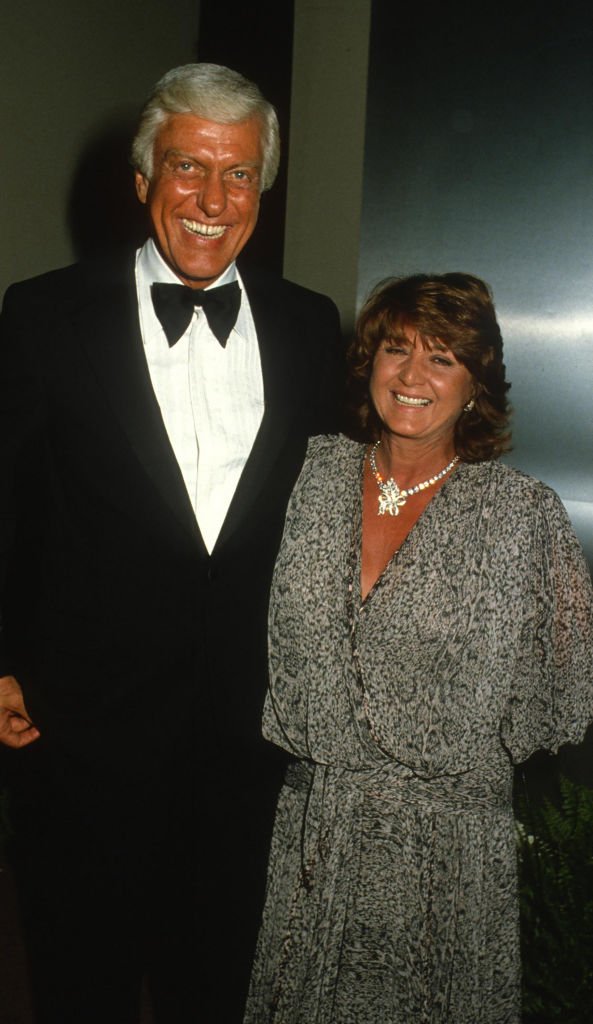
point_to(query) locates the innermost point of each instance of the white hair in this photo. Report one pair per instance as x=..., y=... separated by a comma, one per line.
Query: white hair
x=215, y=93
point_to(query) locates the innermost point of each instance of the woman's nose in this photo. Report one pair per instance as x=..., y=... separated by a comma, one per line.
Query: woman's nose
x=410, y=370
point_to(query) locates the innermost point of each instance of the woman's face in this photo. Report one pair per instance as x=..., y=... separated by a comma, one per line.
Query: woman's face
x=419, y=390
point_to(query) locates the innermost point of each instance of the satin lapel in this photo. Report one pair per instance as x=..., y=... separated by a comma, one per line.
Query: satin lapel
x=111, y=332
x=283, y=376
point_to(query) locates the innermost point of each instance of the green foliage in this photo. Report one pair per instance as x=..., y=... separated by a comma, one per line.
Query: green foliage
x=556, y=890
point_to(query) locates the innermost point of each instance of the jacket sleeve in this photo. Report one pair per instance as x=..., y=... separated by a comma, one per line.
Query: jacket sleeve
x=327, y=412
x=20, y=406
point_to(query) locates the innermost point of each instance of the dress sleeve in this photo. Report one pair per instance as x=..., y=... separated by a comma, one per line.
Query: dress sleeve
x=551, y=699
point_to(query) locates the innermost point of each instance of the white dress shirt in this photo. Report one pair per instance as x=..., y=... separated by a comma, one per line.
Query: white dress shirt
x=211, y=398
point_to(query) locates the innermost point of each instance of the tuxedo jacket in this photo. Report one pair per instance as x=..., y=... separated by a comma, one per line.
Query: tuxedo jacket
x=128, y=639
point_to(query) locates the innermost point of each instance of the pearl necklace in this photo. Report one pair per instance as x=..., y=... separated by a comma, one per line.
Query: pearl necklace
x=391, y=498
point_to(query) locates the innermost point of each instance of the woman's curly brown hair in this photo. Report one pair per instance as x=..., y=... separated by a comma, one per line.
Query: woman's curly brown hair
x=457, y=310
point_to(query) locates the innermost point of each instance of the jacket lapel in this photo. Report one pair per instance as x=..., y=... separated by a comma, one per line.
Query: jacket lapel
x=283, y=372
x=111, y=337
x=110, y=329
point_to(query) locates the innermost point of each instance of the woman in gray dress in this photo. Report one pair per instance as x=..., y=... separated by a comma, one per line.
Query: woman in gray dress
x=431, y=625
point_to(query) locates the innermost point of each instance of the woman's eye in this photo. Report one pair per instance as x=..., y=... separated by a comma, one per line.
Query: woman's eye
x=441, y=358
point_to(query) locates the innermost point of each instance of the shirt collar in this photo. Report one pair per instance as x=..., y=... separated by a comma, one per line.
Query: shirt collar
x=154, y=268
x=151, y=267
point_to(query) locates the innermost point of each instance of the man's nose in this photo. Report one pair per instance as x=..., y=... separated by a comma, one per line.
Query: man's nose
x=211, y=196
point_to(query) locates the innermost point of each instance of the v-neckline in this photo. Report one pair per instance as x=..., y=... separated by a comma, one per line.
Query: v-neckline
x=356, y=545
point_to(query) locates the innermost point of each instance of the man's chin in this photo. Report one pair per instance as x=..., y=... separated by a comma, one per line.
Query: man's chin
x=201, y=278
x=198, y=282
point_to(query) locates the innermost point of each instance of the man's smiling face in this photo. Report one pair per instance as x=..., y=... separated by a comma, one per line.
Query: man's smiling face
x=203, y=198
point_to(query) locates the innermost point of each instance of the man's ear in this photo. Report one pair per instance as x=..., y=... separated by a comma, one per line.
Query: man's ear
x=142, y=184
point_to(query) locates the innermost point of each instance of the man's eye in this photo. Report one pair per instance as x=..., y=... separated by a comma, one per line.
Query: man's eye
x=185, y=165
x=241, y=178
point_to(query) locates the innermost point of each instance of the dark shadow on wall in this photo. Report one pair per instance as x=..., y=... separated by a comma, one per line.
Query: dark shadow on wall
x=256, y=40
x=104, y=214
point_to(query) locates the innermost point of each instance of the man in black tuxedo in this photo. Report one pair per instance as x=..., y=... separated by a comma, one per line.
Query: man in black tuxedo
x=154, y=415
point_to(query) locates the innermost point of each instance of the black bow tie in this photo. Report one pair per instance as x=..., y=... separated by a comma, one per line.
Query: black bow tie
x=174, y=305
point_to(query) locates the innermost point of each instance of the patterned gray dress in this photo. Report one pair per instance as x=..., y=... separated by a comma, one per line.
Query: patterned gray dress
x=392, y=895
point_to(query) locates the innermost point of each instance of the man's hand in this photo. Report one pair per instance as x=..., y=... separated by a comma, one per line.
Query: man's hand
x=16, y=728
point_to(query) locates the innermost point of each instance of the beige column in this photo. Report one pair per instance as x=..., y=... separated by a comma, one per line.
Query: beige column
x=326, y=148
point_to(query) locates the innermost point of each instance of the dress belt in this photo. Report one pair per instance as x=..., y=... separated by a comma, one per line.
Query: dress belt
x=333, y=791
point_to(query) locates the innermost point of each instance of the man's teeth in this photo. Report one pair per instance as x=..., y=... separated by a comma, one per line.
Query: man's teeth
x=206, y=230
x=406, y=400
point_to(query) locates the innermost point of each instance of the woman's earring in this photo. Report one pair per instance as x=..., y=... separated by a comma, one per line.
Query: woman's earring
x=469, y=406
